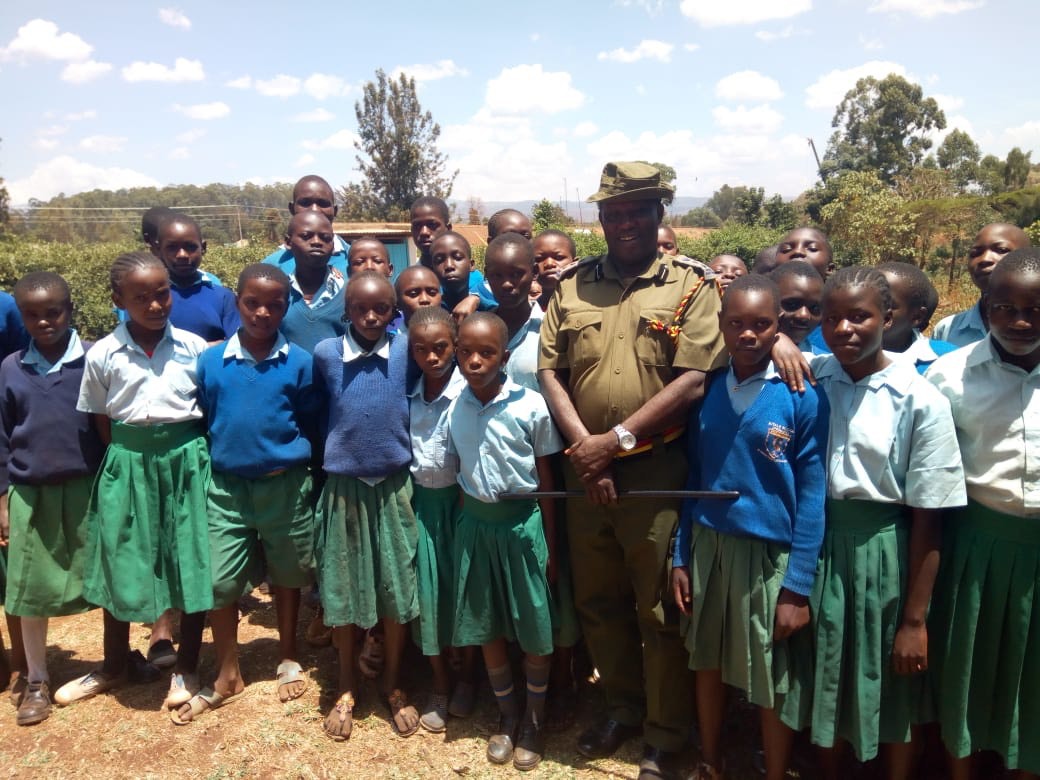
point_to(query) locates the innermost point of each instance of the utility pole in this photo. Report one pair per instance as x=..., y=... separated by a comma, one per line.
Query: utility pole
x=819, y=166
x=581, y=217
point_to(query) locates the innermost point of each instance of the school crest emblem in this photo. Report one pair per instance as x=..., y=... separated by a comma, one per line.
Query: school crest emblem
x=775, y=445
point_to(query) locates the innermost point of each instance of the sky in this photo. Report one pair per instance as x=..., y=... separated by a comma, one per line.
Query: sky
x=532, y=99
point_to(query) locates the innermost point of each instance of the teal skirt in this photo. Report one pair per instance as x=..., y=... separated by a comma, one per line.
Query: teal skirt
x=857, y=607
x=735, y=583
x=985, y=630
x=147, y=533
x=502, y=591
x=566, y=626
x=437, y=514
x=48, y=548
x=366, y=551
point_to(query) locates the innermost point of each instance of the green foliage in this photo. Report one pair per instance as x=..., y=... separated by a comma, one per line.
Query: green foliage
x=1016, y=169
x=744, y=241
x=668, y=174
x=779, y=214
x=547, y=214
x=866, y=221
x=1020, y=207
x=588, y=242
x=748, y=205
x=723, y=200
x=959, y=155
x=85, y=267
x=883, y=126
x=399, y=143
x=1033, y=231
x=701, y=217
x=991, y=174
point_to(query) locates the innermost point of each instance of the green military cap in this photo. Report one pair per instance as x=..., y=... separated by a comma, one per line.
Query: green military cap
x=631, y=181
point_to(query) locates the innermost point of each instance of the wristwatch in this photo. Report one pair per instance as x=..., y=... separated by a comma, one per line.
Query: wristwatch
x=626, y=439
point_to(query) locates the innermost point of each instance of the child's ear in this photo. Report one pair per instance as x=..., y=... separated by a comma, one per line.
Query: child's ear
x=919, y=317
x=203, y=244
x=117, y=300
x=505, y=357
x=154, y=247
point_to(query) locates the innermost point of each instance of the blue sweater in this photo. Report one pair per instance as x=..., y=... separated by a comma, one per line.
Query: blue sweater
x=205, y=309
x=368, y=409
x=258, y=414
x=305, y=326
x=774, y=455
x=13, y=335
x=43, y=439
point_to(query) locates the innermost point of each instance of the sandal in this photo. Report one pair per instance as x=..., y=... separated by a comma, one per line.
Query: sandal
x=182, y=688
x=403, y=716
x=340, y=720
x=290, y=672
x=202, y=702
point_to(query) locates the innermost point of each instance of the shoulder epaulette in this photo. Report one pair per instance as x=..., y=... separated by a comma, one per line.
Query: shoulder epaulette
x=688, y=262
x=585, y=262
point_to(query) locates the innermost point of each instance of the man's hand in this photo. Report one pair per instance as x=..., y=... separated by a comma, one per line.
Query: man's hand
x=592, y=454
x=681, y=588
x=600, y=488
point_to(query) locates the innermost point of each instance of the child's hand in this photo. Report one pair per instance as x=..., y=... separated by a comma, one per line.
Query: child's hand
x=5, y=521
x=592, y=454
x=464, y=308
x=792, y=614
x=910, y=652
x=681, y=588
x=791, y=364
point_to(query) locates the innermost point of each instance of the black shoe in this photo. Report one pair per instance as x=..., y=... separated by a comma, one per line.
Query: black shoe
x=603, y=739
x=530, y=744
x=138, y=670
x=657, y=764
x=500, y=746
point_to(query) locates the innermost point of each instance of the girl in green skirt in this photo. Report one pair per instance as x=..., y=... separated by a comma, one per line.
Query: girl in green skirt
x=893, y=465
x=148, y=539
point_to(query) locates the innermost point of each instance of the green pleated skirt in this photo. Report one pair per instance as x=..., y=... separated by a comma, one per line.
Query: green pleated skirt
x=502, y=591
x=566, y=626
x=985, y=634
x=147, y=533
x=366, y=551
x=735, y=583
x=857, y=607
x=48, y=548
x=437, y=515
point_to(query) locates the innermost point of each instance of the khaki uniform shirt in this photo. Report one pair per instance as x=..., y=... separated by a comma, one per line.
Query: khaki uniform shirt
x=600, y=330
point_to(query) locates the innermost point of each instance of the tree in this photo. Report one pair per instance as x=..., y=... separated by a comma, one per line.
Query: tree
x=5, y=203
x=991, y=174
x=723, y=200
x=1016, y=169
x=779, y=214
x=475, y=211
x=547, y=214
x=399, y=160
x=667, y=175
x=883, y=126
x=867, y=221
x=959, y=155
x=701, y=217
x=748, y=205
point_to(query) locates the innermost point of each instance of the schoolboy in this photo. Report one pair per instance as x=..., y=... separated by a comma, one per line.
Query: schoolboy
x=450, y=260
x=727, y=268
x=810, y=246
x=260, y=402
x=911, y=290
x=801, y=290
x=150, y=222
x=508, y=221
x=765, y=260
x=991, y=244
x=666, y=243
x=430, y=219
x=312, y=193
x=317, y=285
x=416, y=287
x=369, y=254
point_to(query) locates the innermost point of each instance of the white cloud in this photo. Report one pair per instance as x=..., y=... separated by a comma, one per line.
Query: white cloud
x=215, y=110
x=343, y=139
x=180, y=153
x=39, y=39
x=190, y=136
x=304, y=159
x=748, y=85
x=652, y=7
x=69, y=175
x=82, y=72
x=79, y=116
x=949, y=103
x=585, y=129
x=646, y=50
x=441, y=69
x=174, y=18
x=183, y=70
x=529, y=89
x=317, y=115
x=282, y=86
x=54, y=130
x=830, y=88
x=691, y=46
x=870, y=44
x=1025, y=136
x=712, y=13
x=322, y=86
x=768, y=36
x=242, y=82
x=103, y=144
x=45, y=144
x=756, y=120
x=926, y=9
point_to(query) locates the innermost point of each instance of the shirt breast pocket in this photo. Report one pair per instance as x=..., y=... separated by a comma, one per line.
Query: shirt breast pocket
x=583, y=331
x=654, y=345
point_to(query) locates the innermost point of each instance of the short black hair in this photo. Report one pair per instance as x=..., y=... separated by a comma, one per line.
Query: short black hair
x=765, y=260
x=753, y=283
x=860, y=276
x=432, y=202
x=803, y=270
x=918, y=285
x=42, y=280
x=433, y=315
x=497, y=217
x=177, y=218
x=554, y=233
x=491, y=320
x=130, y=262
x=509, y=242
x=152, y=220
x=365, y=276
x=263, y=271
x=460, y=237
x=1020, y=261
x=312, y=177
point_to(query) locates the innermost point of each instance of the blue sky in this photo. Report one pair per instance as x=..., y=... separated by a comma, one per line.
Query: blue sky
x=529, y=96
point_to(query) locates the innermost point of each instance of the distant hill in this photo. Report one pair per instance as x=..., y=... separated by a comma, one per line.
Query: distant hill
x=587, y=210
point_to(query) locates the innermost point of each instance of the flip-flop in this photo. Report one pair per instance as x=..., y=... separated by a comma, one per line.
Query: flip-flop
x=202, y=702
x=340, y=720
x=182, y=688
x=398, y=702
x=290, y=672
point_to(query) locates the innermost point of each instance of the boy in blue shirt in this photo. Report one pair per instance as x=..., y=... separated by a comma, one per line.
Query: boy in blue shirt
x=311, y=193
x=317, y=285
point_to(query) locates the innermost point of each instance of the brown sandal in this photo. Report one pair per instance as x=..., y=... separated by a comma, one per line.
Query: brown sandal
x=340, y=720
x=403, y=716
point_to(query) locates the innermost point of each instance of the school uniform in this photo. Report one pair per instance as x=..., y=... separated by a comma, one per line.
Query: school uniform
x=742, y=553
x=892, y=446
x=260, y=494
x=922, y=352
x=367, y=529
x=985, y=629
x=147, y=545
x=283, y=257
x=13, y=335
x=500, y=549
x=306, y=323
x=963, y=328
x=435, y=499
x=204, y=307
x=49, y=454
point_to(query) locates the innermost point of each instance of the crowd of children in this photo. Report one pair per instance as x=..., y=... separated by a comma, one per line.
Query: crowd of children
x=877, y=572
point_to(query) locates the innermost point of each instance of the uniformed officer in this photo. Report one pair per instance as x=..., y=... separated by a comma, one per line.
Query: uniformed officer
x=625, y=346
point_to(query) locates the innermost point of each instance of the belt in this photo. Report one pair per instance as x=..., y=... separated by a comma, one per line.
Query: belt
x=644, y=446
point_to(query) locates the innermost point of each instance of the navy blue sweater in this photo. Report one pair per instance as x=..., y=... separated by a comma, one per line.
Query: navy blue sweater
x=43, y=439
x=774, y=455
x=205, y=310
x=368, y=409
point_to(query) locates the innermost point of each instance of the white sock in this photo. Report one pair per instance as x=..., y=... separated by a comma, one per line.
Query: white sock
x=34, y=638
